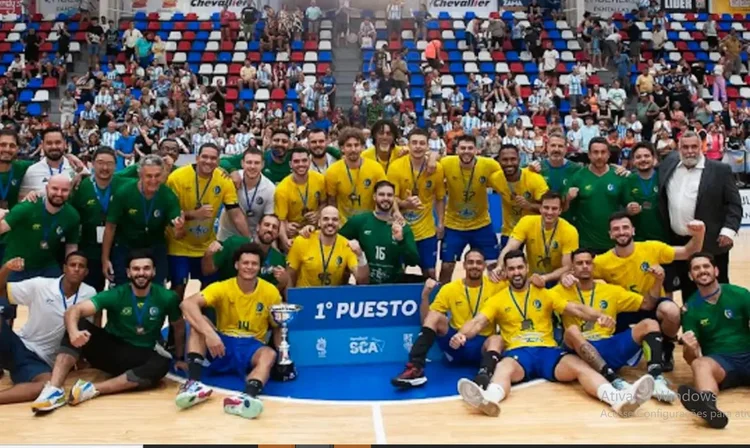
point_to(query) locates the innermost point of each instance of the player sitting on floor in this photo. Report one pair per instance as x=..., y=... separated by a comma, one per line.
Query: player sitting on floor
x=236, y=345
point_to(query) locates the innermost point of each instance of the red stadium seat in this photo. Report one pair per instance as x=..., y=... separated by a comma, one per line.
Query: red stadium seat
x=184, y=45
x=234, y=69
x=153, y=16
x=206, y=26
x=254, y=56
x=50, y=83
x=498, y=56
x=188, y=35
x=311, y=46
x=297, y=56
x=446, y=25
x=516, y=67
x=232, y=94
x=539, y=121
x=208, y=56
x=227, y=46
x=278, y=94
x=154, y=26
x=180, y=26
x=322, y=67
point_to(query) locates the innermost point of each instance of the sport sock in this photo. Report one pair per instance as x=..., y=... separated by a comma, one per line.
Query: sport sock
x=652, y=349
x=418, y=354
x=195, y=366
x=489, y=362
x=608, y=373
x=494, y=393
x=253, y=387
x=608, y=394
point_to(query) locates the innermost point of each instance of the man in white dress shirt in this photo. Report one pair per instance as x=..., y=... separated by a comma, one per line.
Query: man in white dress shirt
x=693, y=187
x=55, y=161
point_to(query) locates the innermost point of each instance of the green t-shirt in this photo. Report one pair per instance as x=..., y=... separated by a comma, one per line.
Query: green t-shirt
x=385, y=255
x=649, y=225
x=224, y=260
x=124, y=318
x=32, y=227
x=86, y=201
x=10, y=184
x=598, y=198
x=720, y=328
x=557, y=178
x=130, y=211
x=231, y=163
x=234, y=163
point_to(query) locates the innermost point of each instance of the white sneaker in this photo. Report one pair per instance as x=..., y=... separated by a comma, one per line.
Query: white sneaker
x=192, y=393
x=82, y=391
x=620, y=384
x=49, y=399
x=243, y=405
x=662, y=392
x=633, y=397
x=475, y=397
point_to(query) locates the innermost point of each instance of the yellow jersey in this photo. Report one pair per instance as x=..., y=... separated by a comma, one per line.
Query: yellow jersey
x=530, y=185
x=608, y=299
x=468, y=205
x=463, y=303
x=533, y=330
x=630, y=272
x=545, y=248
x=192, y=191
x=320, y=265
x=428, y=187
x=239, y=314
x=291, y=200
x=396, y=153
x=353, y=189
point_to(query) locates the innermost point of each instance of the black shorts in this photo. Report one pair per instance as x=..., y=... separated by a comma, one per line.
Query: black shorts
x=736, y=367
x=671, y=278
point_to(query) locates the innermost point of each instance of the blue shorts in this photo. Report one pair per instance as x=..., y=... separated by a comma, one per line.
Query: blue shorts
x=470, y=353
x=93, y=49
x=238, y=355
x=736, y=368
x=625, y=320
x=537, y=362
x=120, y=259
x=182, y=269
x=620, y=350
x=484, y=239
x=23, y=364
x=427, y=249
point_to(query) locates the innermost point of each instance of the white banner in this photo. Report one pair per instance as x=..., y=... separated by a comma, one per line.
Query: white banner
x=212, y=6
x=745, y=196
x=605, y=8
x=54, y=7
x=457, y=8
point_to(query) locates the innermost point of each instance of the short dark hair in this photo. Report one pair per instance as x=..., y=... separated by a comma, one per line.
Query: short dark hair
x=252, y=151
x=419, y=131
x=349, y=133
x=582, y=250
x=167, y=140
x=643, y=145
x=599, y=141
x=77, y=253
x=209, y=146
x=466, y=138
x=616, y=216
x=474, y=250
x=248, y=248
x=382, y=183
x=51, y=130
x=508, y=146
x=298, y=150
x=269, y=215
x=514, y=254
x=137, y=254
x=281, y=131
x=106, y=150
x=380, y=125
x=316, y=131
x=551, y=196
x=9, y=132
x=706, y=255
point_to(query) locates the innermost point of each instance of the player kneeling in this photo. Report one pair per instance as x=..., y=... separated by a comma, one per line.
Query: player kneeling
x=236, y=345
x=524, y=314
x=462, y=299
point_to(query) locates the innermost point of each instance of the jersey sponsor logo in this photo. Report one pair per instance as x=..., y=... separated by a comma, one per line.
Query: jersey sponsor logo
x=610, y=187
x=704, y=322
x=603, y=305
x=157, y=213
x=645, y=266
x=132, y=211
x=91, y=202
x=217, y=189
x=367, y=183
x=728, y=314
x=59, y=230
x=482, y=180
x=365, y=345
x=538, y=304
x=588, y=187
x=259, y=308
x=127, y=311
x=259, y=201
x=153, y=311
x=339, y=260
x=36, y=226
x=428, y=184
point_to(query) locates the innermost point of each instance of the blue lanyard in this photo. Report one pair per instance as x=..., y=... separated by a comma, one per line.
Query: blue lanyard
x=479, y=298
x=52, y=224
x=525, y=302
x=59, y=169
x=5, y=188
x=199, y=199
x=139, y=312
x=148, y=207
x=102, y=196
x=647, y=187
x=65, y=298
x=250, y=202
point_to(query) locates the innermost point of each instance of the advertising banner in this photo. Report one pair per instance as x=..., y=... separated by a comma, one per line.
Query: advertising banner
x=684, y=6
x=745, y=195
x=354, y=324
x=11, y=7
x=457, y=8
x=730, y=6
x=605, y=8
x=54, y=7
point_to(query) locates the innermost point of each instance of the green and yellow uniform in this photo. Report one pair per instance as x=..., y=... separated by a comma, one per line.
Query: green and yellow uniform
x=649, y=224
x=140, y=222
x=224, y=260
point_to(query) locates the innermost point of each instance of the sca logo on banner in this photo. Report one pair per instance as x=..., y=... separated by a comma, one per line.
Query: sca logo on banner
x=368, y=309
x=365, y=345
x=218, y=4
x=468, y=4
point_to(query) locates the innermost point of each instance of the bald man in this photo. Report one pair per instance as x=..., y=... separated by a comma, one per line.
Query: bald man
x=38, y=231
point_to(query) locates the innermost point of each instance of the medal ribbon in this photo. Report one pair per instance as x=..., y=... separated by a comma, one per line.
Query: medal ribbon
x=414, y=181
x=306, y=196
x=467, y=186
x=5, y=188
x=148, y=207
x=352, y=181
x=65, y=298
x=139, y=312
x=591, y=299
x=647, y=187
x=250, y=202
x=325, y=261
x=479, y=298
x=548, y=244
x=199, y=199
x=59, y=169
x=525, y=302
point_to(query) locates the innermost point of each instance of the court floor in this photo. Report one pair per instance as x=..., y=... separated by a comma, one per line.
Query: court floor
x=537, y=412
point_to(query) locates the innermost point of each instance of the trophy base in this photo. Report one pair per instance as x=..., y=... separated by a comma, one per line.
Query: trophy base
x=284, y=372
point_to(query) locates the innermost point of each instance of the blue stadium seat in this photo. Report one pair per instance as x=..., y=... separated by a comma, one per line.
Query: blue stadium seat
x=325, y=56
x=26, y=96
x=34, y=109
x=416, y=80
x=247, y=95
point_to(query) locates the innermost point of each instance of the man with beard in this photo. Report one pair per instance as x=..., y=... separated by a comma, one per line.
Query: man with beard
x=419, y=194
x=594, y=194
x=30, y=353
x=237, y=345
x=524, y=314
x=322, y=155
x=716, y=339
x=299, y=197
x=276, y=161
x=201, y=190
x=12, y=171
x=556, y=169
x=461, y=299
x=387, y=245
x=642, y=195
x=521, y=190
x=54, y=162
x=349, y=181
x=169, y=151
x=627, y=265
x=603, y=350
x=254, y=195
x=467, y=216
x=219, y=255
x=335, y=262
x=549, y=240
x=91, y=199
x=124, y=348
x=138, y=218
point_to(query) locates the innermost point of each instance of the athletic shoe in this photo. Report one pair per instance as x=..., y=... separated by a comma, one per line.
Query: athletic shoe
x=620, y=384
x=191, y=393
x=412, y=376
x=474, y=396
x=482, y=378
x=633, y=397
x=243, y=405
x=703, y=404
x=662, y=392
x=82, y=391
x=50, y=399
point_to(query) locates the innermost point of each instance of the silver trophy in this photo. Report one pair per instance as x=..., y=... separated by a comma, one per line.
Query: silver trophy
x=283, y=314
